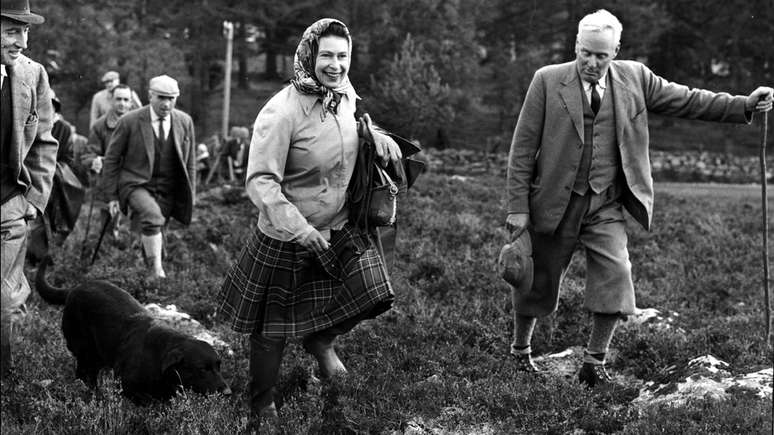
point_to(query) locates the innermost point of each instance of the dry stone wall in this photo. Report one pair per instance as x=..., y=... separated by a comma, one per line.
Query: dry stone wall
x=666, y=166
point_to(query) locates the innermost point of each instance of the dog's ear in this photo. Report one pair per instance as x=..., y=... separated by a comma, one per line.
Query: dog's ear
x=172, y=357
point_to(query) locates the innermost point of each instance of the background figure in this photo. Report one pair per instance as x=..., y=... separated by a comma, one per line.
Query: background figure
x=99, y=137
x=150, y=167
x=101, y=101
x=79, y=147
x=305, y=271
x=27, y=158
x=64, y=203
x=236, y=148
x=202, y=162
x=579, y=156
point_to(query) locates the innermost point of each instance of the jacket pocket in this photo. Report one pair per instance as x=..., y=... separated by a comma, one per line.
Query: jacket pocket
x=30, y=129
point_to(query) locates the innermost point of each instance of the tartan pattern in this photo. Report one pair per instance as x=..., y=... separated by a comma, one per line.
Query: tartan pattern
x=280, y=289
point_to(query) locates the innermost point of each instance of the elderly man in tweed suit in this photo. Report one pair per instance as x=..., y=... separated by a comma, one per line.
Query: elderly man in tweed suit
x=579, y=156
x=150, y=167
x=28, y=157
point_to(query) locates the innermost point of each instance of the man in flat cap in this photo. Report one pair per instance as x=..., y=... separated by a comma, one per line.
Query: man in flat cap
x=27, y=157
x=150, y=167
x=101, y=102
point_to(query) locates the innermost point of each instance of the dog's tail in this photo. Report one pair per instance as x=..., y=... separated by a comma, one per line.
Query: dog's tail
x=49, y=293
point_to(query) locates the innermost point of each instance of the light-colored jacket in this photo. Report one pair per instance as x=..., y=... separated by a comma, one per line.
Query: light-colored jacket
x=548, y=140
x=300, y=164
x=32, y=141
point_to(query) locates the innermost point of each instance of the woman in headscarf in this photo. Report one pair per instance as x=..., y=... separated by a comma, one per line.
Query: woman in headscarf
x=306, y=272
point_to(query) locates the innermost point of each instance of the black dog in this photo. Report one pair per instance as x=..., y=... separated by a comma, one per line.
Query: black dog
x=105, y=327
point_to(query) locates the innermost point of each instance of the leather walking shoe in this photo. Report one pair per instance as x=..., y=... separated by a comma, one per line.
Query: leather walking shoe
x=523, y=363
x=593, y=375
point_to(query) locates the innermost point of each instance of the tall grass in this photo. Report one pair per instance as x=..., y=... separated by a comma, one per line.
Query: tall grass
x=438, y=361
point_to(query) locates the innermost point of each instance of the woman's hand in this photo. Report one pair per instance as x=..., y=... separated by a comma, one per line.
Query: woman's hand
x=315, y=242
x=386, y=148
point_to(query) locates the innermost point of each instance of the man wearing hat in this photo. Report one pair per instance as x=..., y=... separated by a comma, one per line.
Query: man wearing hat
x=101, y=102
x=150, y=167
x=27, y=157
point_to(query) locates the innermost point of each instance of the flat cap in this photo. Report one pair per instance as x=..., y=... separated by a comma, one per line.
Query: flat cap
x=515, y=263
x=164, y=85
x=110, y=75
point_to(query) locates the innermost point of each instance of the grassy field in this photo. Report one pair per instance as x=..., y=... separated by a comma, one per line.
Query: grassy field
x=438, y=361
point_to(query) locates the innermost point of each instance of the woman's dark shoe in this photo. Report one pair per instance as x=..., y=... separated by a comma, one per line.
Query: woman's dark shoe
x=523, y=363
x=593, y=375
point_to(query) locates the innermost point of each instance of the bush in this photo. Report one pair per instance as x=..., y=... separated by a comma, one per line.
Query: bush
x=411, y=96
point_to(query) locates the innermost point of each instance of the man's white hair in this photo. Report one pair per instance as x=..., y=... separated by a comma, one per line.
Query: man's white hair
x=600, y=21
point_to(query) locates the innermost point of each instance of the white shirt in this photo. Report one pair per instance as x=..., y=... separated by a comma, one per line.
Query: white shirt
x=155, y=124
x=3, y=74
x=601, y=86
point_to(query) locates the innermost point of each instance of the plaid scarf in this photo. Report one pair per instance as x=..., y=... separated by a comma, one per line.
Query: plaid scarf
x=305, y=80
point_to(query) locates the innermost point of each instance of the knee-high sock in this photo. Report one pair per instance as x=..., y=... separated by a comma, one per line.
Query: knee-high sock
x=523, y=326
x=602, y=329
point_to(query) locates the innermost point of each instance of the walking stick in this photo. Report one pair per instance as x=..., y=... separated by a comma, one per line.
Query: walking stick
x=107, y=218
x=88, y=218
x=767, y=304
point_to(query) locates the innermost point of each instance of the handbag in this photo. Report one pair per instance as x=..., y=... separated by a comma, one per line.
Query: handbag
x=374, y=189
x=383, y=204
x=373, y=192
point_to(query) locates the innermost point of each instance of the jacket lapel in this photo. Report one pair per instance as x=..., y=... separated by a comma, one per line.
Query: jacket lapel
x=147, y=134
x=571, y=95
x=23, y=109
x=623, y=101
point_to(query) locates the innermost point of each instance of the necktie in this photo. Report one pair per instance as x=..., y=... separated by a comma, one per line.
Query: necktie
x=161, y=128
x=595, y=100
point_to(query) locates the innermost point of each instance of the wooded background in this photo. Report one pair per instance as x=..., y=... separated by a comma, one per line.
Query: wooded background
x=447, y=72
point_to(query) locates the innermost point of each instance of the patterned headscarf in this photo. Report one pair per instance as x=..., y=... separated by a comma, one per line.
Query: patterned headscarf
x=305, y=80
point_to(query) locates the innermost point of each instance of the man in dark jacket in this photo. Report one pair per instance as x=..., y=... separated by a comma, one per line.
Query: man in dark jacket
x=67, y=192
x=102, y=130
x=150, y=167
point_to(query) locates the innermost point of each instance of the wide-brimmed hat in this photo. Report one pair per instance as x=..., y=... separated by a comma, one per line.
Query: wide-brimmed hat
x=19, y=10
x=515, y=264
x=164, y=85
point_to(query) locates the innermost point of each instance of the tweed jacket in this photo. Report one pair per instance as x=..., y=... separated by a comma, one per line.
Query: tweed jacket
x=31, y=140
x=130, y=154
x=548, y=141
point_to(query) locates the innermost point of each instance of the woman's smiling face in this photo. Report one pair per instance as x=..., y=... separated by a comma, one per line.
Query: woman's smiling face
x=332, y=63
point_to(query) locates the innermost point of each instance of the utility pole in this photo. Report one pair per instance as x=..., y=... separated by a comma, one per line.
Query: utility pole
x=228, y=30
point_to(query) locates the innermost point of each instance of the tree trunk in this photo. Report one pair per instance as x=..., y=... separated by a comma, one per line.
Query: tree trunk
x=270, y=69
x=241, y=49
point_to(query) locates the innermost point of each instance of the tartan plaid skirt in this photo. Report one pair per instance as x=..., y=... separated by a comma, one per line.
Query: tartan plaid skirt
x=279, y=289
